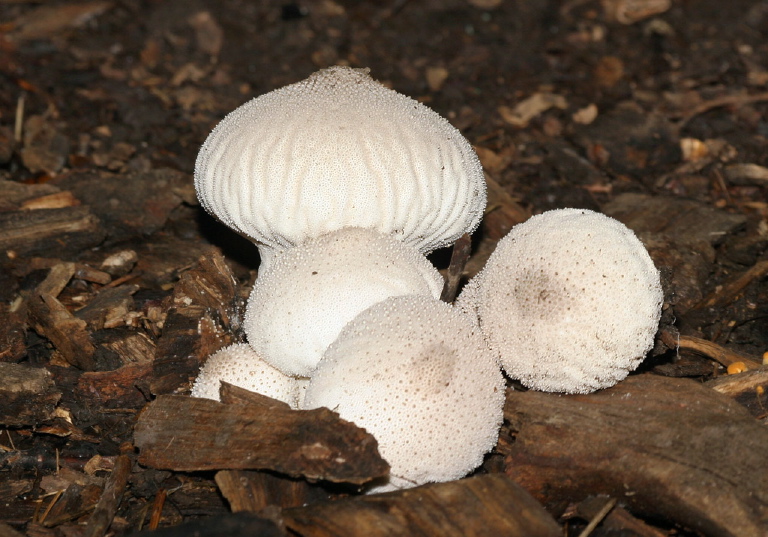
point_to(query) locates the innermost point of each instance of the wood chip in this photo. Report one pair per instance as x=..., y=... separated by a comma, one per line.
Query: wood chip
x=664, y=447
x=28, y=395
x=189, y=434
x=483, y=505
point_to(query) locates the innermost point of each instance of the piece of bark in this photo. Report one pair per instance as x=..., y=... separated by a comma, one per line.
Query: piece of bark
x=197, y=325
x=28, y=395
x=119, y=388
x=664, y=447
x=52, y=232
x=482, y=505
x=131, y=206
x=749, y=389
x=107, y=304
x=105, y=510
x=189, y=434
x=252, y=491
x=75, y=501
x=52, y=320
x=232, y=525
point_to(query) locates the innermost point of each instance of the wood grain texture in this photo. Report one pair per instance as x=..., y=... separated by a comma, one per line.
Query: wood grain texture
x=664, y=447
x=187, y=434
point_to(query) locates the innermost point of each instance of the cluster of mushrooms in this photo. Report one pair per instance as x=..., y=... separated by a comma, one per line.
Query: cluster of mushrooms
x=344, y=186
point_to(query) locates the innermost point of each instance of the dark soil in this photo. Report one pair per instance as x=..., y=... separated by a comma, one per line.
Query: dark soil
x=115, y=284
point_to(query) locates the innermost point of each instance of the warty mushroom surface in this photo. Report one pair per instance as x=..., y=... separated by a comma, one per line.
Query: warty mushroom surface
x=569, y=300
x=339, y=150
x=302, y=300
x=240, y=365
x=416, y=374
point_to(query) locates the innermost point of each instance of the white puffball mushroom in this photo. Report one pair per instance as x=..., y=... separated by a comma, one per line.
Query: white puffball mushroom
x=417, y=375
x=305, y=296
x=570, y=301
x=339, y=150
x=241, y=366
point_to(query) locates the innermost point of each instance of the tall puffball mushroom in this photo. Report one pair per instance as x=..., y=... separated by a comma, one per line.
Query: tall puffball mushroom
x=301, y=301
x=339, y=150
x=240, y=365
x=417, y=375
x=570, y=301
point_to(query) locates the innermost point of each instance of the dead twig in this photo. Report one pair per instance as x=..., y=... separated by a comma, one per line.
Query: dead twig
x=709, y=349
x=729, y=292
x=461, y=250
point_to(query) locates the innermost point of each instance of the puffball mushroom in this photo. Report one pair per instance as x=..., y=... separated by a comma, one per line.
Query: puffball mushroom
x=301, y=300
x=570, y=301
x=339, y=150
x=417, y=375
x=240, y=365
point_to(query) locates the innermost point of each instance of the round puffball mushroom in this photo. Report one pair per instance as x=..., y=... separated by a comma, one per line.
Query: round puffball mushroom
x=241, y=366
x=302, y=300
x=339, y=150
x=570, y=301
x=417, y=375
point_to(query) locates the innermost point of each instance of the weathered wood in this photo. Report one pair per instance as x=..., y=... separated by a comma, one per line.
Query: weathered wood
x=488, y=505
x=105, y=509
x=665, y=447
x=52, y=320
x=28, y=395
x=187, y=434
x=749, y=388
x=50, y=231
x=198, y=323
x=253, y=491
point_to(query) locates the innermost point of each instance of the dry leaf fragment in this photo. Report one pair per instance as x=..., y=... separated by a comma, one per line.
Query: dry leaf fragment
x=525, y=111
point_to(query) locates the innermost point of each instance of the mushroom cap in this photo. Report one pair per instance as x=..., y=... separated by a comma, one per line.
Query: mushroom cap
x=240, y=365
x=570, y=301
x=305, y=296
x=340, y=150
x=417, y=375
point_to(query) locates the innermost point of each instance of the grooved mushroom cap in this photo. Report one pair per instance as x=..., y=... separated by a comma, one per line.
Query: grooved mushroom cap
x=416, y=374
x=340, y=150
x=305, y=296
x=570, y=300
x=240, y=365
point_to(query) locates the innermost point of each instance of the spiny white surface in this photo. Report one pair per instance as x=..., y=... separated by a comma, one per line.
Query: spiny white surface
x=240, y=365
x=337, y=150
x=304, y=297
x=417, y=375
x=570, y=300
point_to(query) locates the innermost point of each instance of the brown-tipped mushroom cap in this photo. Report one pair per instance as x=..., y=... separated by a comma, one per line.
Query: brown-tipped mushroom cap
x=417, y=375
x=340, y=150
x=570, y=300
x=305, y=296
x=240, y=365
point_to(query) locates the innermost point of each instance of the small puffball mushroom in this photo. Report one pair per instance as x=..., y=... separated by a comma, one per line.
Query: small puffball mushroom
x=339, y=150
x=570, y=301
x=417, y=375
x=241, y=366
x=302, y=300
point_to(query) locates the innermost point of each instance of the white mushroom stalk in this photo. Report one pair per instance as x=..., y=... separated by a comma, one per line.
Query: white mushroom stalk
x=241, y=366
x=302, y=300
x=340, y=150
x=417, y=375
x=570, y=301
